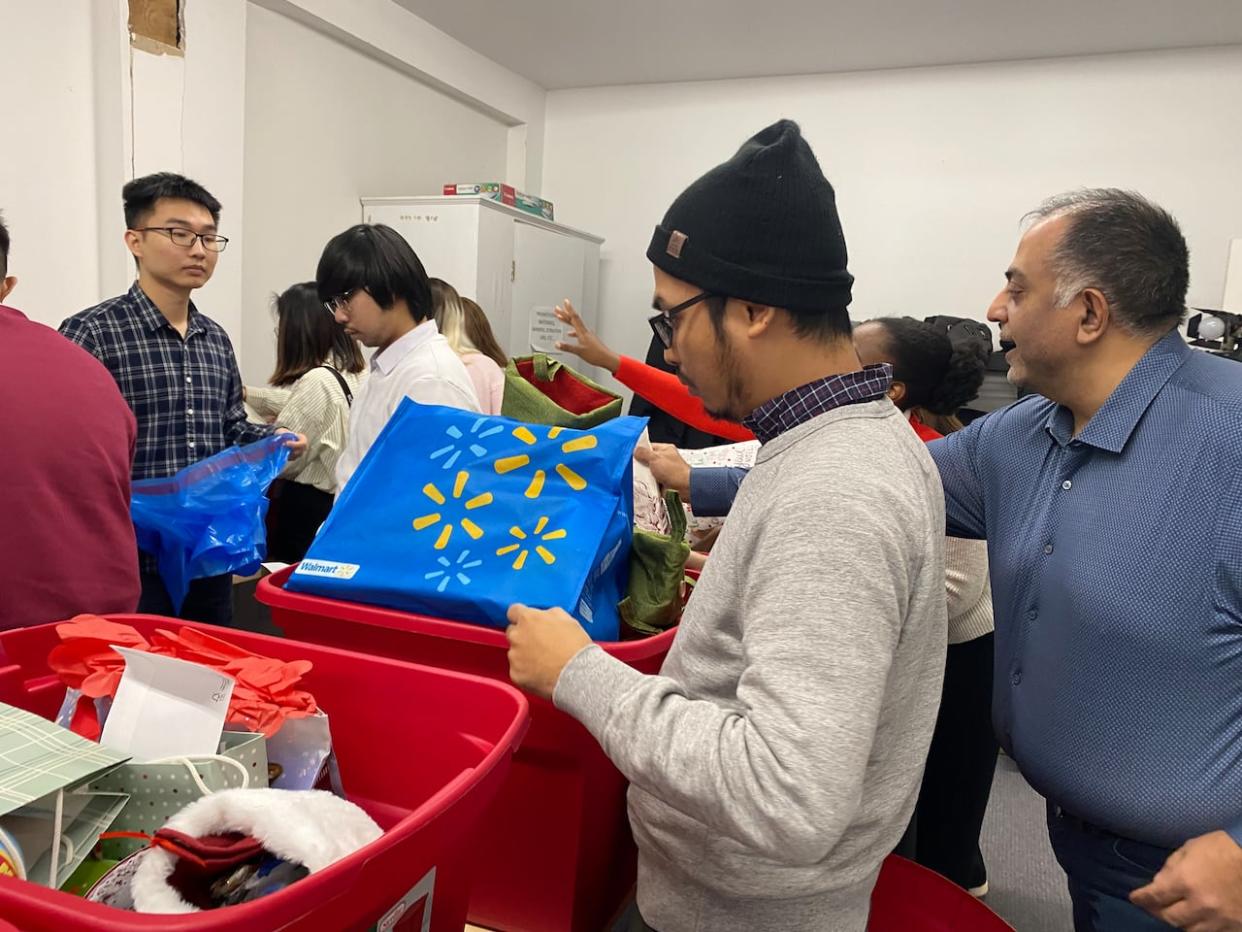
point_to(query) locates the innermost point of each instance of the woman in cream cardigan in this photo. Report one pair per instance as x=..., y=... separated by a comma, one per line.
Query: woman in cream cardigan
x=319, y=369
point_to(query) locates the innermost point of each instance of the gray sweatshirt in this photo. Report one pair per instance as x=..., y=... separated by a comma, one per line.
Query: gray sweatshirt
x=776, y=758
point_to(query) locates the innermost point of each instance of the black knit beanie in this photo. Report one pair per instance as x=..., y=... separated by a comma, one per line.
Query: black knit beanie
x=762, y=227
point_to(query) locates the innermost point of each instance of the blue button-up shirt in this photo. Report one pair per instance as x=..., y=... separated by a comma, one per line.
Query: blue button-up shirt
x=1116, y=561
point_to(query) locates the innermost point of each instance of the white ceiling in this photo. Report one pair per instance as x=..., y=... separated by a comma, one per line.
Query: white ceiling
x=585, y=43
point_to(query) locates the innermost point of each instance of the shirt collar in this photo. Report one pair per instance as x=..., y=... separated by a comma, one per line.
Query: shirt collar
x=787, y=411
x=149, y=315
x=388, y=359
x=1111, y=426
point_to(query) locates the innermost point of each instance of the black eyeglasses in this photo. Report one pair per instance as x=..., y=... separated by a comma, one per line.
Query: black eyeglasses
x=185, y=238
x=342, y=299
x=662, y=323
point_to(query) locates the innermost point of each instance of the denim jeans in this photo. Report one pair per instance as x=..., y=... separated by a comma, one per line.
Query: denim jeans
x=1103, y=869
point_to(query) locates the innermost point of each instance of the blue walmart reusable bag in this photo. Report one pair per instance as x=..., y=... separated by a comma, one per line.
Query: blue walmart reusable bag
x=459, y=515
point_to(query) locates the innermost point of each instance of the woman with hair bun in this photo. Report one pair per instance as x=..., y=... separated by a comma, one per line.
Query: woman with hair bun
x=934, y=376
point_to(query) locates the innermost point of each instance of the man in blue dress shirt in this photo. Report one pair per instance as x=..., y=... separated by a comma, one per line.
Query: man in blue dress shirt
x=1112, y=504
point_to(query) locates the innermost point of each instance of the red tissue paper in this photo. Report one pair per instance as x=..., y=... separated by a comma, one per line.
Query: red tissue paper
x=264, y=696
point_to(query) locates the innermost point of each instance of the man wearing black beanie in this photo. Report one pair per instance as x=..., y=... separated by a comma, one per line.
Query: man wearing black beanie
x=776, y=759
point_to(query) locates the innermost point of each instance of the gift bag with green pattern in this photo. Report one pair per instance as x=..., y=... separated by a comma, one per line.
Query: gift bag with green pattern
x=158, y=791
x=542, y=390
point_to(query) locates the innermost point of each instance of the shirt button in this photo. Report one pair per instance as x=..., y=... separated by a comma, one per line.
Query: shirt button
x=1016, y=678
x=1032, y=614
x=189, y=410
x=188, y=380
x=1048, y=549
x=1067, y=485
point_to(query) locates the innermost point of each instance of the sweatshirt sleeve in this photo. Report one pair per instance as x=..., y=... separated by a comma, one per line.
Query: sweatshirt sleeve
x=666, y=392
x=780, y=770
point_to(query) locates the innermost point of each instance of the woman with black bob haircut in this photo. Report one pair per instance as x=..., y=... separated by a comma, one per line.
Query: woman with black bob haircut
x=318, y=370
x=376, y=289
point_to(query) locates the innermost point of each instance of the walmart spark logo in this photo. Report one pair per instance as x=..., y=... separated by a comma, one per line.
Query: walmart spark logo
x=460, y=443
x=436, y=517
x=453, y=571
x=526, y=541
x=579, y=444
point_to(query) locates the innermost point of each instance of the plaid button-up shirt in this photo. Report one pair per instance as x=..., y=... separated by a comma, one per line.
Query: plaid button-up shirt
x=795, y=407
x=186, y=394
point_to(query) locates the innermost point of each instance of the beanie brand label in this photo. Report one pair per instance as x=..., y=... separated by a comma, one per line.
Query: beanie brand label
x=676, y=240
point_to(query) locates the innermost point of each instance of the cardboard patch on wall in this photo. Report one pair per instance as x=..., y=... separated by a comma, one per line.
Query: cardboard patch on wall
x=156, y=26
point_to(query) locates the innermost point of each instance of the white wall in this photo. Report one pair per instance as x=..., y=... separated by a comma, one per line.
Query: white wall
x=89, y=114
x=212, y=127
x=386, y=31
x=114, y=139
x=188, y=117
x=85, y=113
x=933, y=167
x=47, y=171
x=325, y=126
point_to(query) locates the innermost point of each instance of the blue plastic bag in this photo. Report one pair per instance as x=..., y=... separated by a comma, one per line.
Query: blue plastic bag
x=459, y=515
x=208, y=519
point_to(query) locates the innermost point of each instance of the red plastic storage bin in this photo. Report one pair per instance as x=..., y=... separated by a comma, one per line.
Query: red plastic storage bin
x=911, y=898
x=556, y=854
x=424, y=751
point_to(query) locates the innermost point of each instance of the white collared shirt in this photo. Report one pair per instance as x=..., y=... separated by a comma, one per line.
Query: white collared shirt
x=420, y=365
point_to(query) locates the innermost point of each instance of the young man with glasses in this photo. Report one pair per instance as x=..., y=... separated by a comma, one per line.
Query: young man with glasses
x=775, y=760
x=175, y=366
x=375, y=285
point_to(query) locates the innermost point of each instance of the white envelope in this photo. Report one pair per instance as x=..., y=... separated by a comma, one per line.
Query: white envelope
x=166, y=707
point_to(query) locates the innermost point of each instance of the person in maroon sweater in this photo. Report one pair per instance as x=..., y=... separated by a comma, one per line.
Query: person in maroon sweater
x=68, y=542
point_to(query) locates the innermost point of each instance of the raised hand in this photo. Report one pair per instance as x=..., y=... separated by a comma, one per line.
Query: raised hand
x=586, y=345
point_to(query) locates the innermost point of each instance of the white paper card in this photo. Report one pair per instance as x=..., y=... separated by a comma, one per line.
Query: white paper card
x=166, y=707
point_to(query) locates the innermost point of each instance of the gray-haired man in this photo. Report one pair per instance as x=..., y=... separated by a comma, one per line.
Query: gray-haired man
x=1109, y=500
